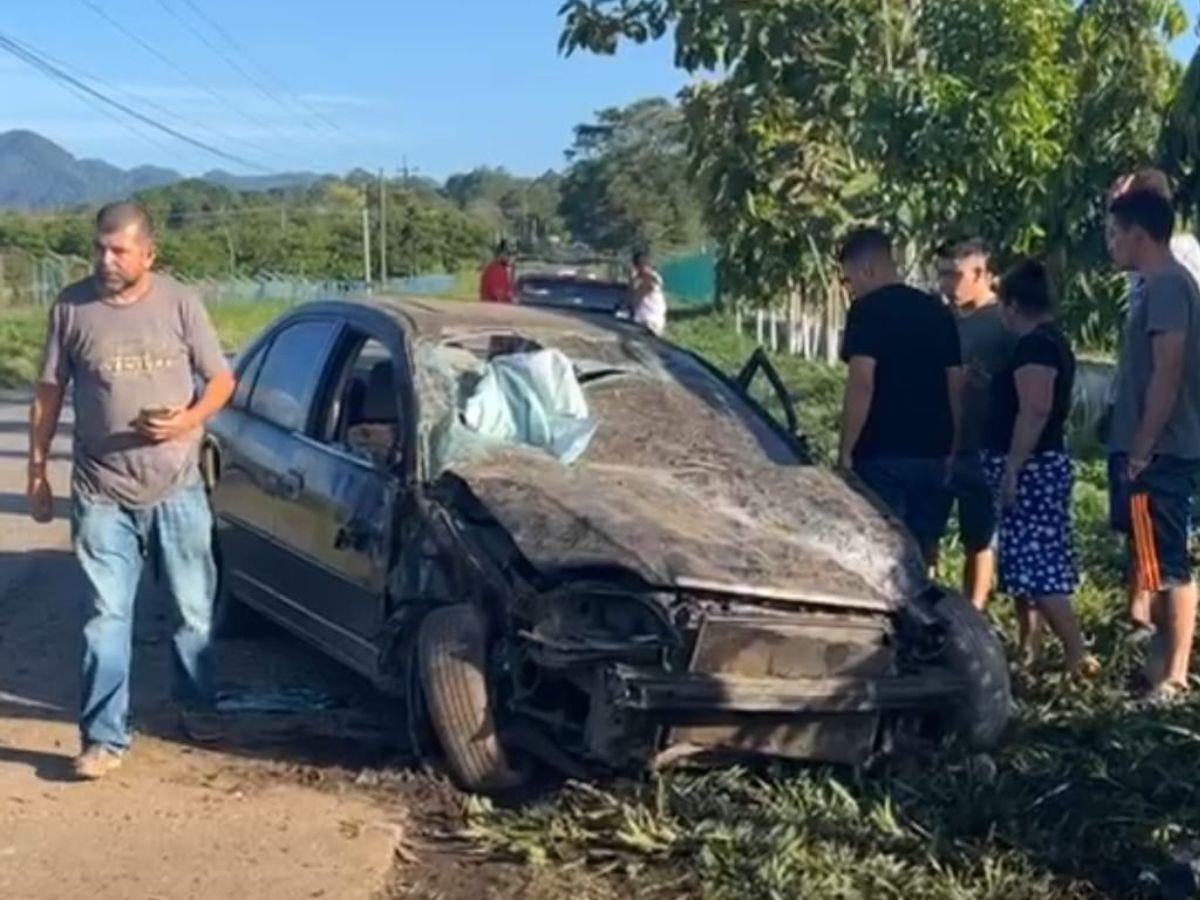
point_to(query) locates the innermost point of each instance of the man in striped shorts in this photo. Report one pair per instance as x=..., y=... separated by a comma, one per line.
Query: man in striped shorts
x=1156, y=427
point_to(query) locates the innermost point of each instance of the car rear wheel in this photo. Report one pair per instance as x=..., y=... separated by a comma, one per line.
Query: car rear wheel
x=452, y=656
x=974, y=653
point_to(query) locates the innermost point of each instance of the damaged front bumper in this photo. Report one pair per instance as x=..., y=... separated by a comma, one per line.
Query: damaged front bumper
x=721, y=693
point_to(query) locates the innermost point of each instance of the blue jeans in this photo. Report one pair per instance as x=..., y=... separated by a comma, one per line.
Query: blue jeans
x=112, y=544
x=914, y=489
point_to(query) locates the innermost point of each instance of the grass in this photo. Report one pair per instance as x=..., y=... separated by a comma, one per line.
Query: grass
x=1086, y=800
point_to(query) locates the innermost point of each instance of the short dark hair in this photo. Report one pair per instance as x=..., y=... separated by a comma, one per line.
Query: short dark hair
x=502, y=248
x=865, y=242
x=1027, y=287
x=1145, y=209
x=962, y=249
x=640, y=256
x=117, y=216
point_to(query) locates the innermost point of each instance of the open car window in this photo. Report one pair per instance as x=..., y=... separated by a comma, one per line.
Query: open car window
x=362, y=414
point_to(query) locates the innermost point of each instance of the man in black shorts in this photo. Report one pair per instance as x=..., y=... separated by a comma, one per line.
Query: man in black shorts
x=903, y=401
x=1155, y=428
x=965, y=280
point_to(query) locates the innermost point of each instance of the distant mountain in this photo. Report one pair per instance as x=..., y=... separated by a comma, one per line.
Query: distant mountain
x=261, y=182
x=36, y=173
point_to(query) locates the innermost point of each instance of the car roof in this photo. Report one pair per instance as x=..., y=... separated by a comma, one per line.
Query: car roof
x=431, y=319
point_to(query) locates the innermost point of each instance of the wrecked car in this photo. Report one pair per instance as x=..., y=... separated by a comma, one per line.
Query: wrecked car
x=563, y=539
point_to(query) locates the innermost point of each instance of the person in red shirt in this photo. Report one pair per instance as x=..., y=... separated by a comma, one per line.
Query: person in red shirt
x=496, y=284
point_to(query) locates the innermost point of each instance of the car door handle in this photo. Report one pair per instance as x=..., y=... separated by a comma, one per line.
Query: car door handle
x=289, y=485
x=357, y=535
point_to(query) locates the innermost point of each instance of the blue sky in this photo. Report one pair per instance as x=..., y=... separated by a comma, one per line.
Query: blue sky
x=450, y=84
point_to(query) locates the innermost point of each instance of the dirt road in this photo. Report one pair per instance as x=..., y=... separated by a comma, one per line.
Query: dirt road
x=270, y=815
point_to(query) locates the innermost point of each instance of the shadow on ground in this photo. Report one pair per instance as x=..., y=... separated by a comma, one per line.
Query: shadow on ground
x=279, y=699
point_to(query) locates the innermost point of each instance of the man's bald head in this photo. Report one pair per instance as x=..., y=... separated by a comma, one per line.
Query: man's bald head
x=124, y=215
x=124, y=248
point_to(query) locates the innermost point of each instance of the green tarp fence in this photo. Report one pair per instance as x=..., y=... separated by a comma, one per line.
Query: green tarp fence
x=690, y=279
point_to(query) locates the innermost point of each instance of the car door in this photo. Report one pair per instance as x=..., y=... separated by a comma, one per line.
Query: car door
x=255, y=441
x=338, y=525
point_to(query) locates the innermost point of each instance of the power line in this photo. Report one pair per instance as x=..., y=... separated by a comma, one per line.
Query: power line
x=80, y=73
x=184, y=74
x=237, y=46
x=39, y=62
x=107, y=113
x=233, y=63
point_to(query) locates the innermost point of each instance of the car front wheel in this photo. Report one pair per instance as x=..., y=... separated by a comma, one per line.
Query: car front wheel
x=452, y=656
x=973, y=652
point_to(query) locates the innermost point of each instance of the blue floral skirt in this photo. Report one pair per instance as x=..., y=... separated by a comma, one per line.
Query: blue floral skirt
x=1036, y=541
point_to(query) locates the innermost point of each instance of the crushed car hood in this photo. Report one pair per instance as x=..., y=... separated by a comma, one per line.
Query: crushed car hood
x=789, y=532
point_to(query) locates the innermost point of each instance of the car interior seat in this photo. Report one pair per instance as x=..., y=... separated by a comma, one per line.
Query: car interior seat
x=373, y=416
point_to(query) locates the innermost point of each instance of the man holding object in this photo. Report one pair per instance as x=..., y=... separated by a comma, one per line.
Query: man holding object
x=132, y=344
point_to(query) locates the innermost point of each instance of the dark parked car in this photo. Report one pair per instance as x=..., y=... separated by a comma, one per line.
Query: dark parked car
x=573, y=292
x=690, y=586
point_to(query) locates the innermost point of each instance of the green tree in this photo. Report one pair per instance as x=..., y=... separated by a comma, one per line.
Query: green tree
x=628, y=183
x=1005, y=118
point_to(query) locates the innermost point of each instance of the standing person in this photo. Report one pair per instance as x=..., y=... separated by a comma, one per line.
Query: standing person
x=1030, y=472
x=965, y=280
x=132, y=344
x=1186, y=250
x=903, y=402
x=1155, y=429
x=649, y=300
x=496, y=282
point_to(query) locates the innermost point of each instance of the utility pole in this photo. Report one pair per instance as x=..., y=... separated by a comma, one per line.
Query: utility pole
x=366, y=238
x=382, y=231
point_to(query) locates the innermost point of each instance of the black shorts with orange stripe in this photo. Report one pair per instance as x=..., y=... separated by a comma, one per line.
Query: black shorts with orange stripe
x=1160, y=513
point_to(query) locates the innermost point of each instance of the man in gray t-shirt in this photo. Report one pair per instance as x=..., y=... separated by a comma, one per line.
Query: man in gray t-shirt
x=965, y=280
x=132, y=345
x=1155, y=429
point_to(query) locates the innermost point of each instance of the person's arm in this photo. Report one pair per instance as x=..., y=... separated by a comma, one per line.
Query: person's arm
x=1162, y=393
x=44, y=414
x=1035, y=403
x=856, y=406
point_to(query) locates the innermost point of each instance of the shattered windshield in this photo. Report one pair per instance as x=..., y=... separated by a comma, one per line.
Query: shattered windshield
x=652, y=406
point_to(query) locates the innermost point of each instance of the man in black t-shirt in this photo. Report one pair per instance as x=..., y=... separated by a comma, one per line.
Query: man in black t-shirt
x=903, y=404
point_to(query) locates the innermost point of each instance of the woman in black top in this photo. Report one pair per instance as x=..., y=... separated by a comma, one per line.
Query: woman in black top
x=1031, y=474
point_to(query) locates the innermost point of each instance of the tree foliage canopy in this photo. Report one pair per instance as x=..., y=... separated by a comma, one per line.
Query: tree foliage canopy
x=1002, y=118
x=628, y=183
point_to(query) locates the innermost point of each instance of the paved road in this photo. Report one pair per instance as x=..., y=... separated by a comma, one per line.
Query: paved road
x=176, y=821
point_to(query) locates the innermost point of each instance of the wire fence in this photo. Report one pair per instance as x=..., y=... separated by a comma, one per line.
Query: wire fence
x=28, y=279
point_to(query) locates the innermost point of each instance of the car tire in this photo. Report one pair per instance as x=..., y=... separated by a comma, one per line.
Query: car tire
x=974, y=653
x=452, y=657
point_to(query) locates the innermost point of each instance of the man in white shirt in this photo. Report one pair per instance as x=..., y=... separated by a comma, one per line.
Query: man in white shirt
x=649, y=300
